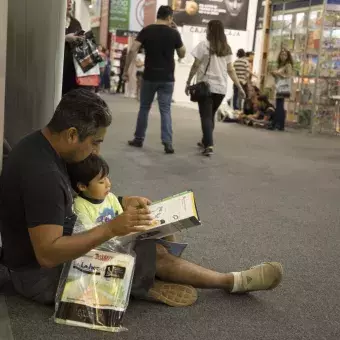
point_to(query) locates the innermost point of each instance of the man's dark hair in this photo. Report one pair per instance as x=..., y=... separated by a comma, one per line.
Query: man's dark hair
x=83, y=110
x=241, y=53
x=164, y=12
x=85, y=171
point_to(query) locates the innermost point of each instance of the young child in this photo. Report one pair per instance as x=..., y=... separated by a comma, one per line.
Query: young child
x=95, y=204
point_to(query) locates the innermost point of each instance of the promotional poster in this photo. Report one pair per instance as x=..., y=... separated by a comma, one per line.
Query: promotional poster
x=232, y=13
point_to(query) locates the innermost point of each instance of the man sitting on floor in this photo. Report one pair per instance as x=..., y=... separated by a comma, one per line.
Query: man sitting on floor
x=37, y=219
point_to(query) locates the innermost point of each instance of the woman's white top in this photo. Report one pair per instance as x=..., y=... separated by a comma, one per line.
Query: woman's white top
x=140, y=59
x=217, y=75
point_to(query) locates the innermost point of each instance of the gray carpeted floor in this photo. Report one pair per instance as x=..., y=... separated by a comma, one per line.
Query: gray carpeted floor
x=263, y=196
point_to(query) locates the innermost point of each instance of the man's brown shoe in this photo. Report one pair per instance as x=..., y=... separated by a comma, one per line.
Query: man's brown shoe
x=173, y=294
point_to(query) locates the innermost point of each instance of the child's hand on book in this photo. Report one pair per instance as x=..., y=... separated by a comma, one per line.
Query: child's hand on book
x=130, y=221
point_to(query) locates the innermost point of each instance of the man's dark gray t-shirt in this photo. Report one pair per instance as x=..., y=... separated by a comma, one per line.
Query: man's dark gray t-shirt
x=34, y=190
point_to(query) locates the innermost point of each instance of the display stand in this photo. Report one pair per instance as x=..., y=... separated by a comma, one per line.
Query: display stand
x=119, y=40
x=118, y=43
x=312, y=34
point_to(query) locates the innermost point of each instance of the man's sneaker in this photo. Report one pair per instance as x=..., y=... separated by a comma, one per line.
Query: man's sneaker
x=168, y=148
x=171, y=294
x=265, y=276
x=137, y=143
x=200, y=145
x=208, y=151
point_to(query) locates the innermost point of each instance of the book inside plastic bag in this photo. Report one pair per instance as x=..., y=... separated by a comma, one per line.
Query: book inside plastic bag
x=94, y=289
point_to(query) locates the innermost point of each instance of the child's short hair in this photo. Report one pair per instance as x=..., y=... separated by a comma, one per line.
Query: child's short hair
x=84, y=172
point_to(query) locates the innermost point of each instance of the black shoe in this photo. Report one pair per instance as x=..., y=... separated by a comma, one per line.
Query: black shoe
x=201, y=145
x=208, y=151
x=137, y=143
x=168, y=148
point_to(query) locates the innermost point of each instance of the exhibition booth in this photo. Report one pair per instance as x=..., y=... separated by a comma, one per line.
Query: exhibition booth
x=310, y=30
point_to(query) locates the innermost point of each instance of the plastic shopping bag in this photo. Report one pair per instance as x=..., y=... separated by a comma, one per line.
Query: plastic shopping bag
x=89, y=78
x=94, y=289
x=86, y=52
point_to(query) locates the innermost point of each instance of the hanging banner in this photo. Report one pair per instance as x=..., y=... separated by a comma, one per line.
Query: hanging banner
x=119, y=15
x=95, y=12
x=104, y=23
x=136, y=15
x=232, y=13
x=150, y=8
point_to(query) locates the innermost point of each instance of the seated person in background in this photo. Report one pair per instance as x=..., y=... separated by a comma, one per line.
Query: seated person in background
x=265, y=110
x=250, y=105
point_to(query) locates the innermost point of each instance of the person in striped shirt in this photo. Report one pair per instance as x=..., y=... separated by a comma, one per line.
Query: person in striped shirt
x=241, y=66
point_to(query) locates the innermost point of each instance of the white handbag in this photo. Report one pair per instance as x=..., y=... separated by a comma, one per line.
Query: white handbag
x=284, y=87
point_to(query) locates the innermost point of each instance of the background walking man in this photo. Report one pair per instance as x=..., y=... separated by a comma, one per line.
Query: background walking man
x=160, y=41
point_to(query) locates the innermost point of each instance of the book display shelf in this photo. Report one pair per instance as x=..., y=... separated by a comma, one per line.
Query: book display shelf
x=119, y=41
x=310, y=30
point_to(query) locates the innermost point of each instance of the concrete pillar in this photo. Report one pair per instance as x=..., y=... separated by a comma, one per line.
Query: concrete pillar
x=35, y=52
x=3, y=39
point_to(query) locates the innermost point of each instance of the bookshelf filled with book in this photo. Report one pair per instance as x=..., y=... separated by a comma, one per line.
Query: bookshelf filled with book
x=312, y=35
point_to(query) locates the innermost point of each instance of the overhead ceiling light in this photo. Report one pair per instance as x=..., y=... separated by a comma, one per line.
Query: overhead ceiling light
x=90, y=6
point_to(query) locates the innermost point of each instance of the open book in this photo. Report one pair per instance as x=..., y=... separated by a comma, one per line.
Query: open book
x=171, y=215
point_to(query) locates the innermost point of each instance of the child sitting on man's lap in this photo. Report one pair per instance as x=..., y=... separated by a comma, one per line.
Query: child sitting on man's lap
x=95, y=204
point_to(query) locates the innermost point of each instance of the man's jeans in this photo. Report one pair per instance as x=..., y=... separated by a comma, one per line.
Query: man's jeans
x=164, y=95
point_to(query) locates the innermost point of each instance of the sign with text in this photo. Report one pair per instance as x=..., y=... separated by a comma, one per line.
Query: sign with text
x=233, y=14
x=119, y=15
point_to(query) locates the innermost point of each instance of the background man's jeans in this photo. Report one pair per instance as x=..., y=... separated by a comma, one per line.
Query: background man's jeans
x=164, y=95
x=237, y=100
